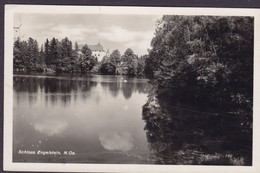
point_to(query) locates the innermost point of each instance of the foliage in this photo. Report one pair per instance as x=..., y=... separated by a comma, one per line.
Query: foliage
x=47, y=55
x=127, y=64
x=59, y=56
x=203, y=60
x=96, y=68
x=55, y=56
x=40, y=62
x=55, y=53
x=27, y=56
x=130, y=60
x=107, y=68
x=87, y=61
x=110, y=63
x=141, y=65
x=19, y=52
x=76, y=47
x=65, y=61
x=115, y=57
x=200, y=111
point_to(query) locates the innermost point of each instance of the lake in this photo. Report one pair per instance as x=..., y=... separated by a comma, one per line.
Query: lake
x=117, y=119
x=86, y=119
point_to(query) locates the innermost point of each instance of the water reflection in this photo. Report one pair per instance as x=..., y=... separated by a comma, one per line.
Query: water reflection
x=66, y=88
x=122, y=141
x=182, y=135
x=97, y=117
x=50, y=127
x=100, y=118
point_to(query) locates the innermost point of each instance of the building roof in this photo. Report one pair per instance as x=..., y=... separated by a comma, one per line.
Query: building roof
x=97, y=47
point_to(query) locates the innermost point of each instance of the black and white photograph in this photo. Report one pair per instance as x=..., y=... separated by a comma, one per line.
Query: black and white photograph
x=130, y=86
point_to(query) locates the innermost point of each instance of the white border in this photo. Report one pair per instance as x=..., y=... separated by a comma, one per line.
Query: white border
x=10, y=10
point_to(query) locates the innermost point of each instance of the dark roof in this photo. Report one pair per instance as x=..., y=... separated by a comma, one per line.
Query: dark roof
x=97, y=47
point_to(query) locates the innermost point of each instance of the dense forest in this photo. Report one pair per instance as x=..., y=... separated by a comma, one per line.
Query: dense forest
x=205, y=60
x=62, y=57
x=201, y=108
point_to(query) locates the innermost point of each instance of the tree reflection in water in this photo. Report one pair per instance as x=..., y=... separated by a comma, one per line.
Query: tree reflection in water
x=67, y=88
x=63, y=89
x=98, y=117
x=181, y=135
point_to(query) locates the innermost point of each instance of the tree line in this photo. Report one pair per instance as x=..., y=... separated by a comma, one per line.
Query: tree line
x=129, y=63
x=61, y=57
x=54, y=56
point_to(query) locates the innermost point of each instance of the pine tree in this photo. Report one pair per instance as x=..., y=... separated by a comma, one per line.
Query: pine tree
x=47, y=53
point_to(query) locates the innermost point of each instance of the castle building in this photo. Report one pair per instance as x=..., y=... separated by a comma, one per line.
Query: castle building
x=97, y=51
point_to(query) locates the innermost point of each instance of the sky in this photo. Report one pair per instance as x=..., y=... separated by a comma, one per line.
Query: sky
x=112, y=31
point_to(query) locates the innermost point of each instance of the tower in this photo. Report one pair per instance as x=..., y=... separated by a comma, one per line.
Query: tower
x=17, y=30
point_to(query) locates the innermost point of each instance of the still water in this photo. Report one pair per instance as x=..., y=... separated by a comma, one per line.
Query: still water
x=85, y=119
x=114, y=119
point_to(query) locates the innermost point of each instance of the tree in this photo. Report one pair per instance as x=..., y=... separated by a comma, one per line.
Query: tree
x=129, y=59
x=33, y=54
x=202, y=59
x=86, y=51
x=27, y=56
x=141, y=65
x=66, y=47
x=66, y=60
x=115, y=57
x=55, y=55
x=107, y=68
x=40, y=61
x=87, y=61
x=76, y=47
x=109, y=64
x=47, y=53
x=19, y=55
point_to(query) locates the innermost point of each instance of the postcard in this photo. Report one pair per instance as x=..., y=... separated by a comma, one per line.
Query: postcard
x=131, y=89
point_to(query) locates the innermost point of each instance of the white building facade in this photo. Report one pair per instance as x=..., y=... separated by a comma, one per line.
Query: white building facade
x=97, y=51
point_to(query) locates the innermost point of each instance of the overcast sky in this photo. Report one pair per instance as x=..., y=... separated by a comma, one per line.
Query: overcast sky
x=113, y=31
